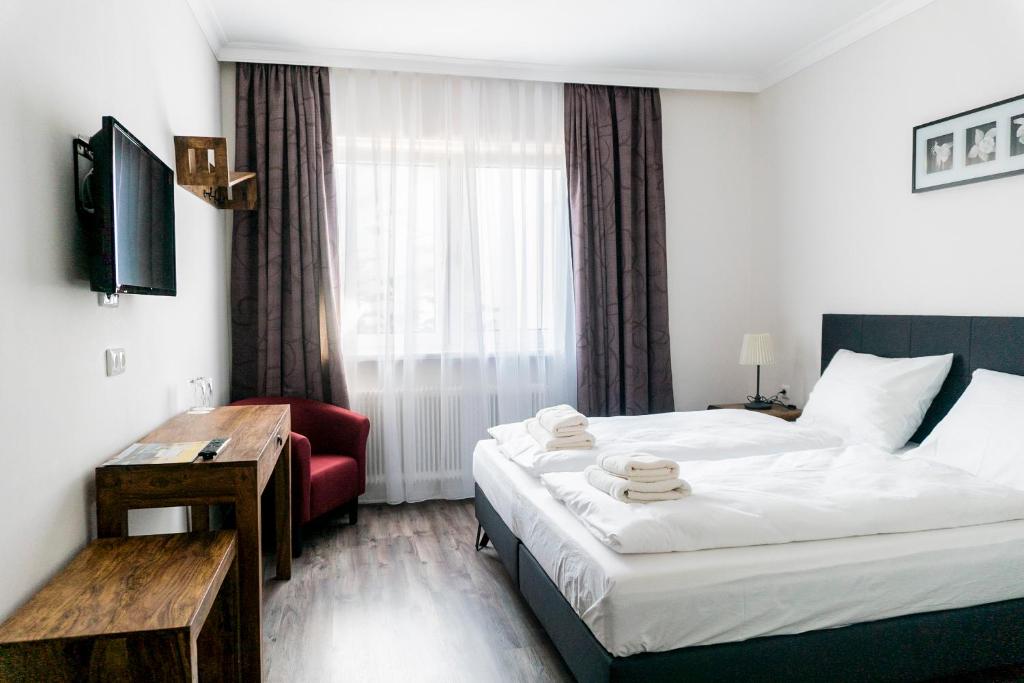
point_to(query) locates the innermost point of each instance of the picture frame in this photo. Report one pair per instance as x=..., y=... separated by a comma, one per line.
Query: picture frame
x=975, y=145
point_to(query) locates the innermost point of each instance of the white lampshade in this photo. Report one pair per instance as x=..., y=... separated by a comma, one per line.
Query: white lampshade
x=757, y=349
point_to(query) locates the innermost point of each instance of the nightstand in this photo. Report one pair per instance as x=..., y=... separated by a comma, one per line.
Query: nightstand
x=782, y=412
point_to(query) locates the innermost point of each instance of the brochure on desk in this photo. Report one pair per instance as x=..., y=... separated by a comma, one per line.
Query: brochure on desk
x=157, y=453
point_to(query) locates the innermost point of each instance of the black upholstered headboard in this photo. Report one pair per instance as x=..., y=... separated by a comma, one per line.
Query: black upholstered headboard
x=975, y=342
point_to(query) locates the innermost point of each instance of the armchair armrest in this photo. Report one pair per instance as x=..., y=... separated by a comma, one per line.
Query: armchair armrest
x=301, y=453
x=336, y=430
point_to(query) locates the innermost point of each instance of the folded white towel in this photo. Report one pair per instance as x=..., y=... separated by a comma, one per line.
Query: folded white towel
x=550, y=442
x=628, y=491
x=562, y=420
x=642, y=467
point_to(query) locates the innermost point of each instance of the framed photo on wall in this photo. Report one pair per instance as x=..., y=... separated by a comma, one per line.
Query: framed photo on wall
x=975, y=145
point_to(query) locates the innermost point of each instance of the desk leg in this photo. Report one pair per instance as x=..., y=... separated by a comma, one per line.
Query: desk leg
x=193, y=657
x=283, y=510
x=200, y=515
x=250, y=578
x=111, y=516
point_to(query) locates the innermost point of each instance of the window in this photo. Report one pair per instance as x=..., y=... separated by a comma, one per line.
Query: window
x=457, y=313
x=453, y=247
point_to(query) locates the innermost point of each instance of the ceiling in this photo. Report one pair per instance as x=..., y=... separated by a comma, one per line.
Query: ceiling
x=741, y=45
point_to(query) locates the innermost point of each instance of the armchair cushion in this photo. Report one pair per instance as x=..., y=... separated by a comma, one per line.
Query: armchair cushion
x=335, y=478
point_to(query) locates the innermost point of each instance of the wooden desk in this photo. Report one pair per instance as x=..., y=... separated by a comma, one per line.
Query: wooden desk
x=260, y=447
x=147, y=608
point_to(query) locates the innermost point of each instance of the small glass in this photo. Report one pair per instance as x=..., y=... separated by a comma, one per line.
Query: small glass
x=202, y=395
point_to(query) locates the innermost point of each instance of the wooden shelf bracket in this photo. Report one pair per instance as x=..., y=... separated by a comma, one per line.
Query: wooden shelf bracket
x=202, y=169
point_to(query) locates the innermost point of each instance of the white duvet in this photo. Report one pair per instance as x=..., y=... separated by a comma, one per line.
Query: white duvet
x=805, y=496
x=697, y=435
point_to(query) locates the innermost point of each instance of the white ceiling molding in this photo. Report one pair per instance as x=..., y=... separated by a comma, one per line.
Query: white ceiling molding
x=861, y=27
x=866, y=24
x=354, y=59
x=207, y=19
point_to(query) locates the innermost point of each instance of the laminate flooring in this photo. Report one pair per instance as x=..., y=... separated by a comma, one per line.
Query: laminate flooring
x=402, y=596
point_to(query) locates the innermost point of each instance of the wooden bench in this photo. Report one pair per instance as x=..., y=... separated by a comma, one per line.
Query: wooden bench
x=145, y=608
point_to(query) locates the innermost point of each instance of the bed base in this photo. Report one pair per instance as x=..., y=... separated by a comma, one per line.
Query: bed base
x=482, y=539
x=910, y=648
x=498, y=533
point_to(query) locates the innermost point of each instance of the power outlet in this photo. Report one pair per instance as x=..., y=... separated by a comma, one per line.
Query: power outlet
x=117, y=362
x=784, y=390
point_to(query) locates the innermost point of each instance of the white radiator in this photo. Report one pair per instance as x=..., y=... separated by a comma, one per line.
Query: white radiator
x=434, y=428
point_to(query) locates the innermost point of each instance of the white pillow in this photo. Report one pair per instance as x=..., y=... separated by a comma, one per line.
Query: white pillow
x=984, y=432
x=873, y=400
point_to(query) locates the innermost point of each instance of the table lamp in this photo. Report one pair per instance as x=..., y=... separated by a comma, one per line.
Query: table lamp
x=757, y=350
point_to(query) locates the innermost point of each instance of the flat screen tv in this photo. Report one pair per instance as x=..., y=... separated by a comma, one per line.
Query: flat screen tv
x=129, y=212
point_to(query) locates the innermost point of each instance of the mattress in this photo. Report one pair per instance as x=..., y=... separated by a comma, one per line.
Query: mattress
x=659, y=602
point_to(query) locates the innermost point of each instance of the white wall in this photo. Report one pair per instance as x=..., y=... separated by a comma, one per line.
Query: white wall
x=62, y=66
x=708, y=154
x=844, y=233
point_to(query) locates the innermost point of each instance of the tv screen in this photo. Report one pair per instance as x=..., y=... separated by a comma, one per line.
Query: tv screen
x=133, y=218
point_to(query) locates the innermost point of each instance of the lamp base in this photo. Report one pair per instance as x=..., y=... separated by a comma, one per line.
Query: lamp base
x=758, y=405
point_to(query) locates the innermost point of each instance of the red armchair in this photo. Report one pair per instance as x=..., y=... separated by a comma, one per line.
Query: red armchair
x=328, y=459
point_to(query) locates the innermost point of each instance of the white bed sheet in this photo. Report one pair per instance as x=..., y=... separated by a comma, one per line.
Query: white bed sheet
x=791, y=497
x=658, y=602
x=682, y=436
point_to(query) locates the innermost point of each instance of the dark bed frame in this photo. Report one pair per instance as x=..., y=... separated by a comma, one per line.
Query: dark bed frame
x=908, y=648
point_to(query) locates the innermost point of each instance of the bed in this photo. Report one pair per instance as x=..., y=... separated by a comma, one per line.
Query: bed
x=898, y=607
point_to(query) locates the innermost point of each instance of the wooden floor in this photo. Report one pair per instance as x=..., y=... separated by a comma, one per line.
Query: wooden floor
x=402, y=596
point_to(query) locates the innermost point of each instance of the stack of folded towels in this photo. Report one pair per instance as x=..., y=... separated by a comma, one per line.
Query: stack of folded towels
x=637, y=478
x=560, y=428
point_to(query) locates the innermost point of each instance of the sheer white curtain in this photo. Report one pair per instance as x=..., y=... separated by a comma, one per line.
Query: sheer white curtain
x=457, y=306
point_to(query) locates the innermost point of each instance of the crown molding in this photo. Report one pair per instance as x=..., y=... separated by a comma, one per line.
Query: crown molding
x=871, y=21
x=356, y=59
x=861, y=27
x=206, y=17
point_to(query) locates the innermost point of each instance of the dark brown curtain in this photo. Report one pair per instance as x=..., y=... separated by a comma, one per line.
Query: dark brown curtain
x=617, y=214
x=284, y=255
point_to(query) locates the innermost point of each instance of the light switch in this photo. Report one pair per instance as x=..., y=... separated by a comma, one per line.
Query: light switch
x=117, y=362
